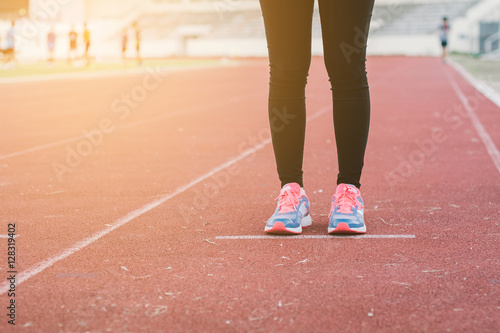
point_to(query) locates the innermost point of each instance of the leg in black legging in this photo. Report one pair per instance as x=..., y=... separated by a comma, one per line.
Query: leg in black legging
x=345, y=26
x=288, y=32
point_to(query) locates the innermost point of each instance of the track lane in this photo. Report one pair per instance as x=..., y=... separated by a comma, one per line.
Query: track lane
x=164, y=270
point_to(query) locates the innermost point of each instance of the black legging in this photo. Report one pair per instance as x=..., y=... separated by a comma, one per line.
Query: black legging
x=344, y=26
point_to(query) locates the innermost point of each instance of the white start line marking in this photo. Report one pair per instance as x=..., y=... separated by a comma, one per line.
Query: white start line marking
x=291, y=237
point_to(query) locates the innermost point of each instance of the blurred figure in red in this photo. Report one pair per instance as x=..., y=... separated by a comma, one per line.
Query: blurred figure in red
x=51, y=44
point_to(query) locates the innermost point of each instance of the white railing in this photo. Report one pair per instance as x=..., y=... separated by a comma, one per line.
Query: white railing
x=488, y=44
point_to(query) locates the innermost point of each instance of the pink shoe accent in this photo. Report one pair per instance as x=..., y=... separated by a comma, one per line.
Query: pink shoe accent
x=343, y=228
x=279, y=228
x=288, y=199
x=346, y=198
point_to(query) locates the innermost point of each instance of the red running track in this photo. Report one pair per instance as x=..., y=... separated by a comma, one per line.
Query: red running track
x=130, y=237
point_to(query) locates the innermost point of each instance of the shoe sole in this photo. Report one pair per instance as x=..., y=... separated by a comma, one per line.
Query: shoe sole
x=279, y=227
x=306, y=221
x=343, y=228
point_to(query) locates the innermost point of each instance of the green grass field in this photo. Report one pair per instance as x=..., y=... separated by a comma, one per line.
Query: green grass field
x=61, y=66
x=486, y=70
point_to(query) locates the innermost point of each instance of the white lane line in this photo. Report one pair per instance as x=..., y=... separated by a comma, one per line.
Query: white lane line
x=112, y=73
x=7, y=236
x=45, y=146
x=71, y=76
x=313, y=236
x=41, y=266
x=490, y=145
x=134, y=124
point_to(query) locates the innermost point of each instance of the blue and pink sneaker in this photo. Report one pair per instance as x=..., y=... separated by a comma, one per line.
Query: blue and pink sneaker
x=292, y=213
x=346, y=214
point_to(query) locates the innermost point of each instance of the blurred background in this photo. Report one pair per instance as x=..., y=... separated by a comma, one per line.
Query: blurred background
x=228, y=29
x=234, y=28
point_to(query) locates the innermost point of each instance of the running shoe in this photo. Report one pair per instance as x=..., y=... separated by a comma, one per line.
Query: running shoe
x=346, y=214
x=292, y=213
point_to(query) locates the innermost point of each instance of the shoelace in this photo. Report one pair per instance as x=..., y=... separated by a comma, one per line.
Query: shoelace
x=287, y=200
x=346, y=200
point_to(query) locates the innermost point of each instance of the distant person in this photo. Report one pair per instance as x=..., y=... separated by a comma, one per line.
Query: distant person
x=51, y=44
x=10, y=50
x=73, y=44
x=444, y=29
x=138, y=42
x=124, y=43
x=86, y=41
